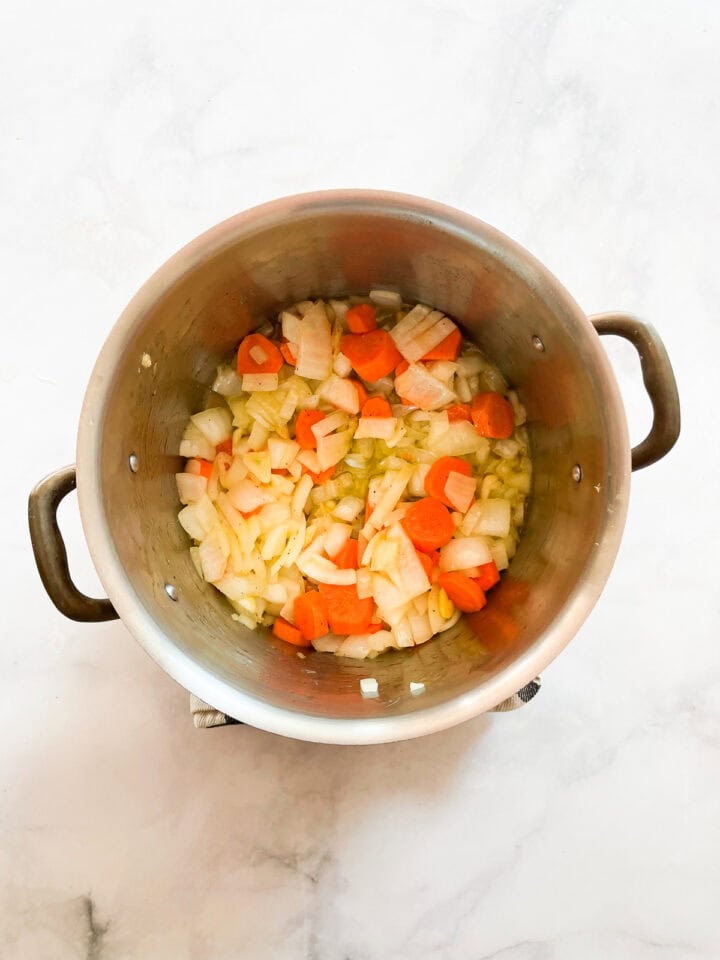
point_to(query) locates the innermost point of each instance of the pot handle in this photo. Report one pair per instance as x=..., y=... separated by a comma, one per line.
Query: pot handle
x=50, y=553
x=659, y=381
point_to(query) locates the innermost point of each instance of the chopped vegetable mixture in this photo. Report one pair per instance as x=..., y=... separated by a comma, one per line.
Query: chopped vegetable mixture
x=359, y=478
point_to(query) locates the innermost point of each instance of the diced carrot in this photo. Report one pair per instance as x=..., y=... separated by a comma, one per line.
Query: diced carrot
x=492, y=415
x=489, y=575
x=256, y=343
x=427, y=563
x=373, y=355
x=361, y=391
x=374, y=627
x=447, y=349
x=428, y=524
x=201, y=468
x=311, y=615
x=466, y=594
x=280, y=471
x=321, y=477
x=225, y=446
x=361, y=318
x=459, y=411
x=347, y=613
x=287, y=353
x=437, y=475
x=376, y=407
x=347, y=557
x=303, y=428
x=401, y=367
x=286, y=631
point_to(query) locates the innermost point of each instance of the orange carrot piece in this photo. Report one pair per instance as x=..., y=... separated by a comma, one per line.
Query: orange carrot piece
x=311, y=615
x=246, y=363
x=287, y=353
x=374, y=627
x=466, y=594
x=321, y=477
x=428, y=524
x=459, y=411
x=201, y=468
x=492, y=415
x=376, y=407
x=427, y=563
x=361, y=318
x=489, y=575
x=373, y=355
x=347, y=613
x=303, y=428
x=447, y=349
x=401, y=367
x=286, y=631
x=361, y=391
x=347, y=557
x=225, y=446
x=438, y=473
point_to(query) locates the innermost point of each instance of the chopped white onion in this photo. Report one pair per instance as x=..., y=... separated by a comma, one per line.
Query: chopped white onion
x=364, y=583
x=309, y=459
x=302, y=492
x=342, y=366
x=467, y=527
x=349, y=509
x=258, y=464
x=454, y=439
x=332, y=449
x=227, y=382
x=324, y=571
x=416, y=487
x=190, y=487
x=325, y=426
x=376, y=428
x=195, y=444
x=213, y=553
x=258, y=354
x=215, y=424
x=282, y=452
x=420, y=332
x=259, y=382
x=506, y=448
x=341, y=393
x=248, y=496
x=386, y=298
x=336, y=538
x=314, y=353
x=460, y=490
x=499, y=554
x=464, y=552
x=422, y=389
x=494, y=519
x=290, y=326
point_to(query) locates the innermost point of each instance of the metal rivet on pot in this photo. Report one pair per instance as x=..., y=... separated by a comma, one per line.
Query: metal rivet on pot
x=577, y=473
x=133, y=463
x=537, y=343
x=171, y=590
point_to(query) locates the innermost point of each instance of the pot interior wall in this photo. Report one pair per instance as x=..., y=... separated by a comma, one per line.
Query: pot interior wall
x=190, y=327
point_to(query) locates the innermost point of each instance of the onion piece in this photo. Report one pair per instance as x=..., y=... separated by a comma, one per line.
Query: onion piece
x=456, y=439
x=195, y=444
x=364, y=583
x=464, y=552
x=258, y=354
x=332, y=449
x=290, y=326
x=508, y=449
x=282, y=452
x=494, y=519
x=309, y=459
x=324, y=571
x=341, y=393
x=314, y=352
x=460, y=490
x=227, y=382
x=349, y=509
x=258, y=464
x=342, y=366
x=422, y=389
x=386, y=298
x=375, y=428
x=248, y=496
x=336, y=538
x=190, y=487
x=396, y=483
x=467, y=527
x=213, y=553
x=302, y=492
x=215, y=424
x=499, y=554
x=418, y=332
x=325, y=426
x=259, y=382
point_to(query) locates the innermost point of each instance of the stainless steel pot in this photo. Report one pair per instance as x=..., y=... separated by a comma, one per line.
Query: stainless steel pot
x=154, y=370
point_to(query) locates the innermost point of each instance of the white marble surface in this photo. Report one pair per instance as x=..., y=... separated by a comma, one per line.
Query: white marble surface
x=584, y=826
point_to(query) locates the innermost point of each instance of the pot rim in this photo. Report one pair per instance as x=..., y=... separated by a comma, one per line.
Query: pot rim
x=222, y=695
